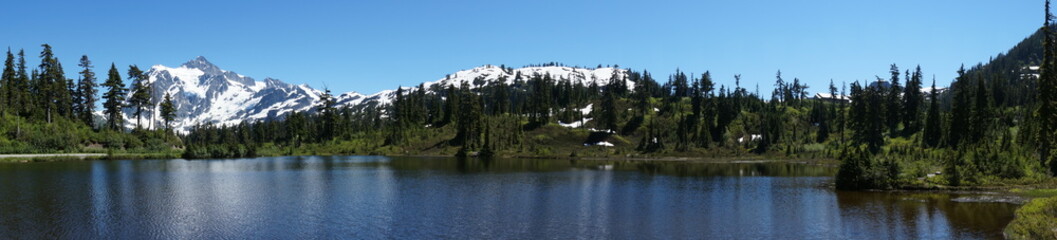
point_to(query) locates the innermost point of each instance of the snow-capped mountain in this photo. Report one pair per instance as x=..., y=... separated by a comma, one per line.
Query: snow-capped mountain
x=489, y=74
x=204, y=93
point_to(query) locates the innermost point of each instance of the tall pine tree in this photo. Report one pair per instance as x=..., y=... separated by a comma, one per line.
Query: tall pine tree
x=18, y=96
x=328, y=112
x=1046, y=112
x=168, y=111
x=893, y=101
x=912, y=103
x=933, y=131
x=85, y=104
x=141, y=93
x=114, y=99
x=609, y=112
x=64, y=91
x=866, y=105
x=981, y=119
x=48, y=83
x=469, y=124
x=6, y=78
x=960, y=111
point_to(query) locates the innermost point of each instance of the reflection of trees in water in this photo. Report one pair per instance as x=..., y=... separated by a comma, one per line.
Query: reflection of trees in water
x=692, y=169
x=673, y=168
x=472, y=165
x=922, y=214
x=476, y=165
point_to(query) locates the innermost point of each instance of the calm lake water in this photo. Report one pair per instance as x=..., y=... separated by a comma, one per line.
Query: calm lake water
x=440, y=198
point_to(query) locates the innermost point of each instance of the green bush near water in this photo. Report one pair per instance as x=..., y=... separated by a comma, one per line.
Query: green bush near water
x=1035, y=220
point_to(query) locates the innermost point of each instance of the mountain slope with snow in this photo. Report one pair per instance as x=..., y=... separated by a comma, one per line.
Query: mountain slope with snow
x=206, y=94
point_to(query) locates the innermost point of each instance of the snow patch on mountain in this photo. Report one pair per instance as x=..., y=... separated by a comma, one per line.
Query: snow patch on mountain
x=206, y=94
x=491, y=73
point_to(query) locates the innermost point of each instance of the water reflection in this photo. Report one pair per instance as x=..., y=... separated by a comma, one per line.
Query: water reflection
x=924, y=215
x=378, y=197
x=674, y=168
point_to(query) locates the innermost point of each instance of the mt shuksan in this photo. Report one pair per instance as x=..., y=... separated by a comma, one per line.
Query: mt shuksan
x=204, y=93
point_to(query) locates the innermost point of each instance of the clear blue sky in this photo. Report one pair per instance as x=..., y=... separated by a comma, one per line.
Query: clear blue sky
x=367, y=46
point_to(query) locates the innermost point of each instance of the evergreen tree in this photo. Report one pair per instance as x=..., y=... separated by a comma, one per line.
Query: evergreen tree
x=33, y=97
x=618, y=81
x=933, y=131
x=866, y=105
x=18, y=96
x=607, y=117
x=643, y=95
x=819, y=115
x=141, y=92
x=779, y=88
x=960, y=111
x=469, y=125
x=49, y=83
x=540, y=102
x=609, y=111
x=1046, y=112
x=893, y=101
x=114, y=99
x=834, y=108
x=854, y=172
x=680, y=84
x=328, y=112
x=418, y=106
x=296, y=129
x=706, y=111
x=398, y=113
x=64, y=91
x=85, y=104
x=6, y=78
x=726, y=113
x=451, y=105
x=797, y=92
x=168, y=111
x=912, y=103
x=772, y=127
x=980, y=121
x=842, y=120
x=502, y=97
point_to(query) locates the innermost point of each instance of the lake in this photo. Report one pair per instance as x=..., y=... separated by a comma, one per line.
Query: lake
x=365, y=197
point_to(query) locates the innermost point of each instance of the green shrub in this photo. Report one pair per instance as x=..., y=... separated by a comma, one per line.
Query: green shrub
x=858, y=170
x=1035, y=220
x=195, y=152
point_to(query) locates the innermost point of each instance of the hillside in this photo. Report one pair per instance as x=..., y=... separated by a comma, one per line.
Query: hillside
x=1012, y=75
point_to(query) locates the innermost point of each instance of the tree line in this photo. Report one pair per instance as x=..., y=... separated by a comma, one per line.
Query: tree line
x=43, y=98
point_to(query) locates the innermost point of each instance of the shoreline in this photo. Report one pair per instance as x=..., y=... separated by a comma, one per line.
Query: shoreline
x=44, y=155
x=71, y=157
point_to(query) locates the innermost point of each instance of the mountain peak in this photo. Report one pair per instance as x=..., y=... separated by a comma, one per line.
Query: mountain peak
x=201, y=63
x=203, y=93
